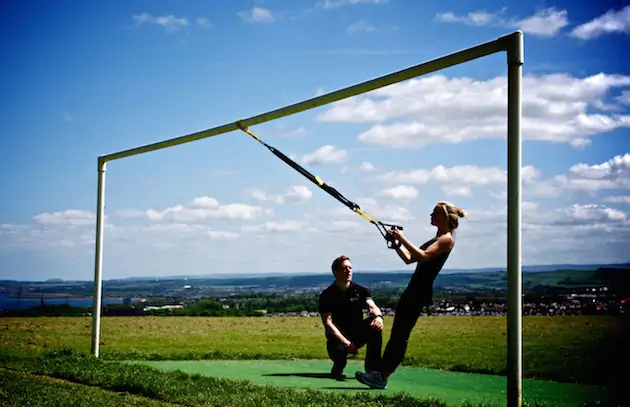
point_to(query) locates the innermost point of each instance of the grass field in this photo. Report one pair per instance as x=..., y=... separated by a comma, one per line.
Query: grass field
x=578, y=349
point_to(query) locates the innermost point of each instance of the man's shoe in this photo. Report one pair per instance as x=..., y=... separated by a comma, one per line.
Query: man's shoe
x=337, y=375
x=372, y=379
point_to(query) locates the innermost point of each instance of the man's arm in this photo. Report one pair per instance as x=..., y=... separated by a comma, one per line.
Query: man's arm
x=373, y=308
x=331, y=328
x=375, y=311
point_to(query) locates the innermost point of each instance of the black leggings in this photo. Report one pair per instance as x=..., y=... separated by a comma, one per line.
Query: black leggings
x=409, y=308
x=365, y=335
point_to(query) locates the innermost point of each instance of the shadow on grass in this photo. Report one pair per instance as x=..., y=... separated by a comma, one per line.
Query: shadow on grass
x=319, y=376
x=347, y=388
x=309, y=375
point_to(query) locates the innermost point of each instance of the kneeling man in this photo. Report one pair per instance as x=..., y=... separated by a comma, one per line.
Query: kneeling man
x=341, y=308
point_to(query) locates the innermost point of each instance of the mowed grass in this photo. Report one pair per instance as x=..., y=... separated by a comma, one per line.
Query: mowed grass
x=71, y=378
x=18, y=388
x=579, y=349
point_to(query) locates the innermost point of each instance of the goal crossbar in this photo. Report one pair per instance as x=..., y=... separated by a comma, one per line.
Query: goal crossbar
x=469, y=54
x=512, y=45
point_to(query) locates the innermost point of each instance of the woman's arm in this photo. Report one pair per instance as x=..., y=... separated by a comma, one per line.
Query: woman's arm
x=402, y=253
x=442, y=244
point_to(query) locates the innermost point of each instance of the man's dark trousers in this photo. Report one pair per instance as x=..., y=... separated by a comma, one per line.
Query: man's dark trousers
x=362, y=335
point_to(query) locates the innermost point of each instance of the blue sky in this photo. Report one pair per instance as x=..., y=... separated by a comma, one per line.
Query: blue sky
x=82, y=80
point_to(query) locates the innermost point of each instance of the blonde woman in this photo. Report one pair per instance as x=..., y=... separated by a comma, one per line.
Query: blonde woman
x=430, y=258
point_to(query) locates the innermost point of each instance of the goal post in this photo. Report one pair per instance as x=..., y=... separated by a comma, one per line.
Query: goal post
x=512, y=45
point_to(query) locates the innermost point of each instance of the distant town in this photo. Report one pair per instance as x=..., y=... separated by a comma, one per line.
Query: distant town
x=566, y=290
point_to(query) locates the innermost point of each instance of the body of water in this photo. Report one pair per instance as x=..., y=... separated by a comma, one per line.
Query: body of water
x=7, y=302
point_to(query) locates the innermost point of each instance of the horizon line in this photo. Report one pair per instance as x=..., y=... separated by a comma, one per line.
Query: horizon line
x=287, y=274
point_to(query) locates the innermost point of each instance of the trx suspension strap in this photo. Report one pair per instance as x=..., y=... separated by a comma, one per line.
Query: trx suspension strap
x=332, y=191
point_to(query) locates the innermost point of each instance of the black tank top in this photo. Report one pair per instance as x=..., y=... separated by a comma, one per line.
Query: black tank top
x=426, y=272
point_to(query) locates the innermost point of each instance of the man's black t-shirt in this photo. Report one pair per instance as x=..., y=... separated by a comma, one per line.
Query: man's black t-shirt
x=346, y=306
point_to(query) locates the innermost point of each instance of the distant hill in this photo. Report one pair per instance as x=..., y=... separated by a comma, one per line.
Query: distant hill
x=248, y=276
x=542, y=268
x=488, y=280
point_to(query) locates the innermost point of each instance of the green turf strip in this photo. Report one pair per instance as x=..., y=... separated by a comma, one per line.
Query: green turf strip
x=451, y=387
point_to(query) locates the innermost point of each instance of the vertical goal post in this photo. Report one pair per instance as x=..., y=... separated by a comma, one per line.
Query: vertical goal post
x=512, y=44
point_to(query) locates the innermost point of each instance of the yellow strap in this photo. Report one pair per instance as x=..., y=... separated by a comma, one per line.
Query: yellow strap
x=319, y=181
x=364, y=215
x=245, y=129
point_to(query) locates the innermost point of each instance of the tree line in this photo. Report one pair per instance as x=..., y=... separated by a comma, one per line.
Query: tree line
x=260, y=304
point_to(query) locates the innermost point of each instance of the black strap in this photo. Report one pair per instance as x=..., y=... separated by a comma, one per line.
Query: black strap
x=330, y=190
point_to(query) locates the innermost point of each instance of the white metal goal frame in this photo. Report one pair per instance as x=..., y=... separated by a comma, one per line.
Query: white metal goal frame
x=512, y=44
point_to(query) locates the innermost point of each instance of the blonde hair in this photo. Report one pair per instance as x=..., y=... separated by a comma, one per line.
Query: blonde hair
x=453, y=213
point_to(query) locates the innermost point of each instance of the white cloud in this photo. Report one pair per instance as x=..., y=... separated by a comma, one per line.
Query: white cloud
x=613, y=174
x=544, y=23
x=70, y=217
x=287, y=226
x=610, y=22
x=169, y=22
x=458, y=191
x=221, y=235
x=580, y=220
x=54, y=231
x=534, y=217
x=327, y=154
x=294, y=193
x=360, y=26
x=257, y=15
x=298, y=193
x=333, y=4
x=223, y=173
x=204, y=22
x=466, y=175
x=475, y=18
x=341, y=226
x=199, y=209
x=385, y=213
x=350, y=51
x=366, y=167
x=624, y=98
x=299, y=131
x=580, y=214
x=400, y=192
x=436, y=109
x=618, y=199
x=258, y=194
x=128, y=243
x=67, y=117
x=577, y=233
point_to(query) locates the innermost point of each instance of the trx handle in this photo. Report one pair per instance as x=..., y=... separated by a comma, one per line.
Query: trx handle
x=386, y=236
x=331, y=191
